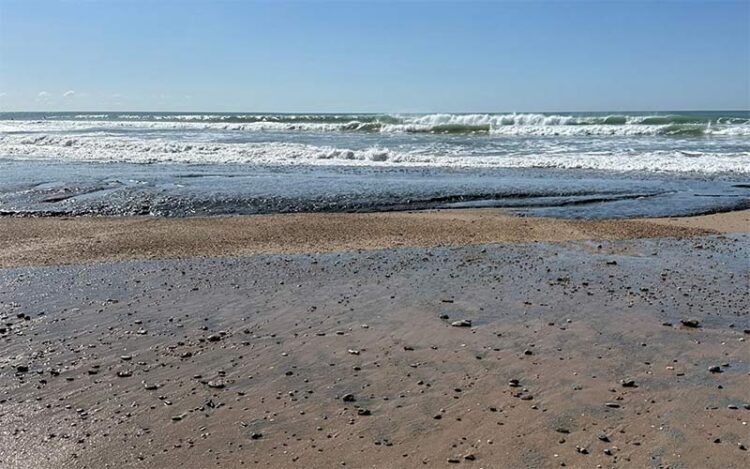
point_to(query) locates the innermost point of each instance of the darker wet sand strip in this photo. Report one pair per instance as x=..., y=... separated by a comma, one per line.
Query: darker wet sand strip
x=54, y=241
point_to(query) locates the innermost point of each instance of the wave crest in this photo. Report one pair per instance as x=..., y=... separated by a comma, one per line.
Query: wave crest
x=499, y=124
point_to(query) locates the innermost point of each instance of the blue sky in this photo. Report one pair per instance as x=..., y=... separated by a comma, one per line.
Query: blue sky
x=424, y=56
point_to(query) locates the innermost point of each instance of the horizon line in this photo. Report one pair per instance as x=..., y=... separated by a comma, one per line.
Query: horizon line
x=367, y=112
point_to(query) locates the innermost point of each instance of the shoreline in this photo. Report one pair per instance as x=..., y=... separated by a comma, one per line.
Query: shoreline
x=28, y=242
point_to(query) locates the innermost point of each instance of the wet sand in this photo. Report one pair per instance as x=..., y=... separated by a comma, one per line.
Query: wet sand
x=576, y=354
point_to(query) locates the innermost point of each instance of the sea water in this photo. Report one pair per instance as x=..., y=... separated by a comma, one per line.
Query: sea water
x=560, y=164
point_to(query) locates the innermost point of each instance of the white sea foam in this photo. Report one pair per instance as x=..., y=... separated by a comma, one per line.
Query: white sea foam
x=133, y=149
x=68, y=126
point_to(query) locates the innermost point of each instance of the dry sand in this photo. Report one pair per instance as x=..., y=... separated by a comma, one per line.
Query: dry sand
x=52, y=241
x=246, y=362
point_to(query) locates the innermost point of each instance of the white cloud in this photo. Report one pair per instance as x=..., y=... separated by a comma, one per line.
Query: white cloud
x=43, y=94
x=2, y=95
x=69, y=93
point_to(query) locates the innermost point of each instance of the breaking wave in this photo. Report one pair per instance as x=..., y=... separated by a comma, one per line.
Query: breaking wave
x=532, y=124
x=101, y=148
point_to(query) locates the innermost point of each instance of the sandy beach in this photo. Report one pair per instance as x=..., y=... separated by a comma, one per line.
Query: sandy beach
x=425, y=339
x=374, y=234
x=52, y=240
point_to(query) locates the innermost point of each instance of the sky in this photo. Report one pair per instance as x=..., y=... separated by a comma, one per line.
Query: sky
x=377, y=56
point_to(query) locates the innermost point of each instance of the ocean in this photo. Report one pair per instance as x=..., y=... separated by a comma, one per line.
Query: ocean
x=573, y=165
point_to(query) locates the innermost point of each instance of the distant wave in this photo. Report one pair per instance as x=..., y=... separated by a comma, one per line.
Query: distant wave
x=439, y=118
x=492, y=124
x=111, y=148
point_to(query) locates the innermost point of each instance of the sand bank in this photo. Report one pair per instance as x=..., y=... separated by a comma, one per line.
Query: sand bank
x=52, y=241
